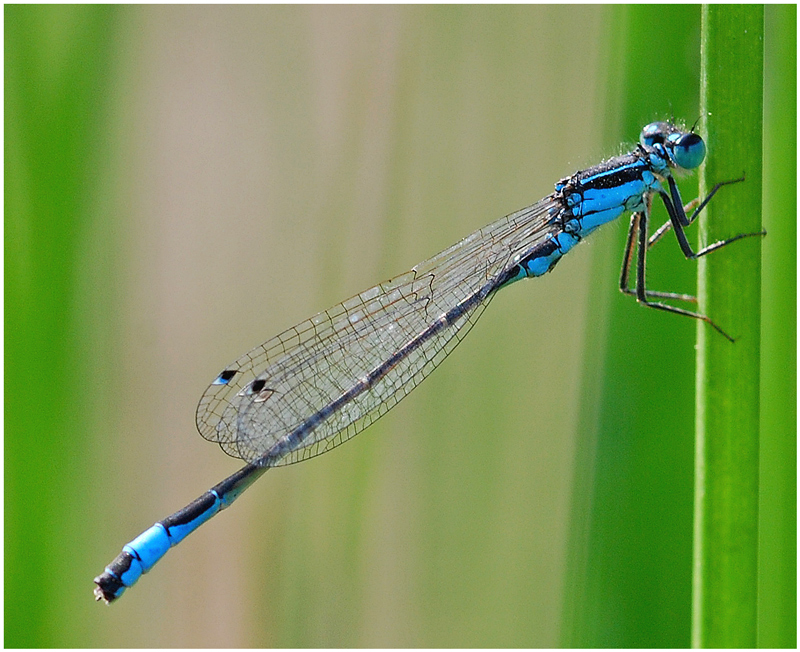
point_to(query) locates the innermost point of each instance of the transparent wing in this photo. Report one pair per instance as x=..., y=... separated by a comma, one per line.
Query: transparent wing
x=286, y=382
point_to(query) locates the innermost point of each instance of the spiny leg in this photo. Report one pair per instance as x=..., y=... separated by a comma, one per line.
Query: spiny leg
x=626, y=266
x=678, y=220
x=642, y=293
x=677, y=216
x=695, y=205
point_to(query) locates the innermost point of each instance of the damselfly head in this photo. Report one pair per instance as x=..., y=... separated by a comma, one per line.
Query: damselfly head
x=685, y=149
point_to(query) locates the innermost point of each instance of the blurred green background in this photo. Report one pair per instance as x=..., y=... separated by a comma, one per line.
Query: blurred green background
x=182, y=183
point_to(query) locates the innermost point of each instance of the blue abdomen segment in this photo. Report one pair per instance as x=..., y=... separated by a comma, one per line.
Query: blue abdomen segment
x=141, y=554
x=543, y=258
x=546, y=256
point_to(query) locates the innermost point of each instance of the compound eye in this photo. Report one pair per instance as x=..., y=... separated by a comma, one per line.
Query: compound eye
x=688, y=151
x=654, y=133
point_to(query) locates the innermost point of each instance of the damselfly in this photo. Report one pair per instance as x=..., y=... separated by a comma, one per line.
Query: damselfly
x=317, y=384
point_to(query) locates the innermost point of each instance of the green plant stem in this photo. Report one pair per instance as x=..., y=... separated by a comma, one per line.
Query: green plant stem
x=777, y=549
x=727, y=419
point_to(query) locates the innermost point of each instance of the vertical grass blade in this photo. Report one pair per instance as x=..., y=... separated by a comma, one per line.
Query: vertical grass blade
x=727, y=418
x=777, y=511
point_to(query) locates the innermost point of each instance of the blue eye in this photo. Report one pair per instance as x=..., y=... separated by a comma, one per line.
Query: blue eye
x=688, y=150
x=654, y=133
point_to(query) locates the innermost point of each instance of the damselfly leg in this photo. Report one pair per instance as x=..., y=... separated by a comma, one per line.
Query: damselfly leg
x=678, y=220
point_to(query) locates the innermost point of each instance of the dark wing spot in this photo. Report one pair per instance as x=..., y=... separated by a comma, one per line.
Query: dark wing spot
x=225, y=377
x=259, y=389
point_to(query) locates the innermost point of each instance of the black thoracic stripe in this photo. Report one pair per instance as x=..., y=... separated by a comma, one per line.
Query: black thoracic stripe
x=614, y=172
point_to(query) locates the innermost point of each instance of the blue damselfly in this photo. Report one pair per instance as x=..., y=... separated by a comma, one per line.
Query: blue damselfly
x=317, y=384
